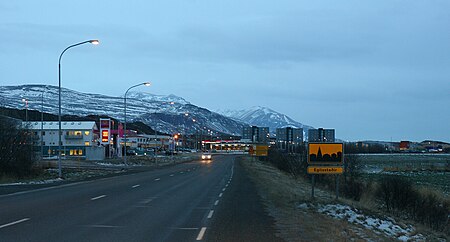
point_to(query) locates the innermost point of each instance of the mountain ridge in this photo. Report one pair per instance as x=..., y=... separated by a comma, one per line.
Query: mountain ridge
x=165, y=113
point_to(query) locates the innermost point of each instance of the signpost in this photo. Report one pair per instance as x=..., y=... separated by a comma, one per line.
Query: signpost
x=259, y=150
x=325, y=158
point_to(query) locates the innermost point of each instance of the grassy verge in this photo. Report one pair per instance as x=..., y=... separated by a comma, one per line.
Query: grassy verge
x=284, y=196
x=298, y=218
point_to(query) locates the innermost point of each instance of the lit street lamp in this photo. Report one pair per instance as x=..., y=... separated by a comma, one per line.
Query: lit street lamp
x=94, y=42
x=125, y=119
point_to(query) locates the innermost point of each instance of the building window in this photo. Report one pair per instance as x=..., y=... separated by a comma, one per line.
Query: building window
x=86, y=133
x=87, y=143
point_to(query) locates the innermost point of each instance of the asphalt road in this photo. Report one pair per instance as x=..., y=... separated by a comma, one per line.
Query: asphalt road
x=187, y=202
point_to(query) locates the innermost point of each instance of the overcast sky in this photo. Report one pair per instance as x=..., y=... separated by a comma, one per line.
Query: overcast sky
x=373, y=70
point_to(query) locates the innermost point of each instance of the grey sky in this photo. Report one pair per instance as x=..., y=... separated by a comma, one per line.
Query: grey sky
x=371, y=70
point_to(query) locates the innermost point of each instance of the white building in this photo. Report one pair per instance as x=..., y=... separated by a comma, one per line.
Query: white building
x=78, y=138
x=147, y=141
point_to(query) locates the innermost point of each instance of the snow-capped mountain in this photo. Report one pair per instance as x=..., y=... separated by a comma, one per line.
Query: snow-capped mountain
x=168, y=114
x=264, y=117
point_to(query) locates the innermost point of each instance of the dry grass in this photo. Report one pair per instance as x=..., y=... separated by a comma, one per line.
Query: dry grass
x=282, y=195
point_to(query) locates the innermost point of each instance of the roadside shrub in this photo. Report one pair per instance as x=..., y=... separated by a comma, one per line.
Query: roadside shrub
x=396, y=193
x=293, y=164
x=353, y=187
x=432, y=210
x=16, y=149
x=399, y=196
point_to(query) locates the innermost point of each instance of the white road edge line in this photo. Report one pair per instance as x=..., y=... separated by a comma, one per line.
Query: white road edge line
x=201, y=234
x=217, y=202
x=95, y=198
x=137, y=185
x=13, y=223
x=210, y=214
x=221, y=194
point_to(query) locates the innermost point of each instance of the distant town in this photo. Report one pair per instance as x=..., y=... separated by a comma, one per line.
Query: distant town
x=105, y=139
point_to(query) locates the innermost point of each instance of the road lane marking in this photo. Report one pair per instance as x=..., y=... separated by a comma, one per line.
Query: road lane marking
x=172, y=174
x=13, y=223
x=224, y=189
x=221, y=194
x=181, y=172
x=201, y=234
x=95, y=198
x=137, y=185
x=157, y=179
x=217, y=202
x=102, y=226
x=186, y=228
x=189, y=170
x=210, y=214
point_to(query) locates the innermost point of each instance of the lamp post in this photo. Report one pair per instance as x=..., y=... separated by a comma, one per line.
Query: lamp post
x=125, y=119
x=94, y=42
x=25, y=100
x=42, y=121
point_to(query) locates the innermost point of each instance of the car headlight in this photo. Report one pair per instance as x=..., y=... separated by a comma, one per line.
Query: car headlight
x=203, y=157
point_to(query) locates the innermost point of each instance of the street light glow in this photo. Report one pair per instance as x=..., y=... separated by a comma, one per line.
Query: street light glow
x=94, y=42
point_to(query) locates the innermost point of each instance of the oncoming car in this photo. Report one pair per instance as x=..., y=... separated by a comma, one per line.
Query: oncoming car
x=206, y=157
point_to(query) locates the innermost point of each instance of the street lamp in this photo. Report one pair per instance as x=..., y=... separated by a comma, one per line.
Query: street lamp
x=42, y=121
x=125, y=119
x=94, y=42
x=26, y=109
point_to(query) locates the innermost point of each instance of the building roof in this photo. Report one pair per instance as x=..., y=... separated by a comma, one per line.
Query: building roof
x=65, y=125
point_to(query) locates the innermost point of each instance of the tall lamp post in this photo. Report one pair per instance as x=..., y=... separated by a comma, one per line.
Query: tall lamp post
x=94, y=42
x=42, y=121
x=25, y=100
x=125, y=120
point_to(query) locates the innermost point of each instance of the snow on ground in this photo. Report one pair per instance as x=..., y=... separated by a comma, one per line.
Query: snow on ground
x=388, y=226
x=109, y=164
x=48, y=181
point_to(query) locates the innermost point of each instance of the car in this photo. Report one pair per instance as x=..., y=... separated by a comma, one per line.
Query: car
x=206, y=156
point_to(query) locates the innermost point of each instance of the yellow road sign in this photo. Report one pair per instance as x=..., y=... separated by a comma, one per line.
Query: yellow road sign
x=325, y=170
x=259, y=150
x=325, y=153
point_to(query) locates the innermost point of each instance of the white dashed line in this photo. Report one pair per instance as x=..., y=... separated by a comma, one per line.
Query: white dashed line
x=186, y=228
x=13, y=223
x=201, y=234
x=210, y=214
x=157, y=179
x=221, y=194
x=95, y=198
x=136, y=186
x=217, y=202
x=102, y=226
x=224, y=189
x=172, y=174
